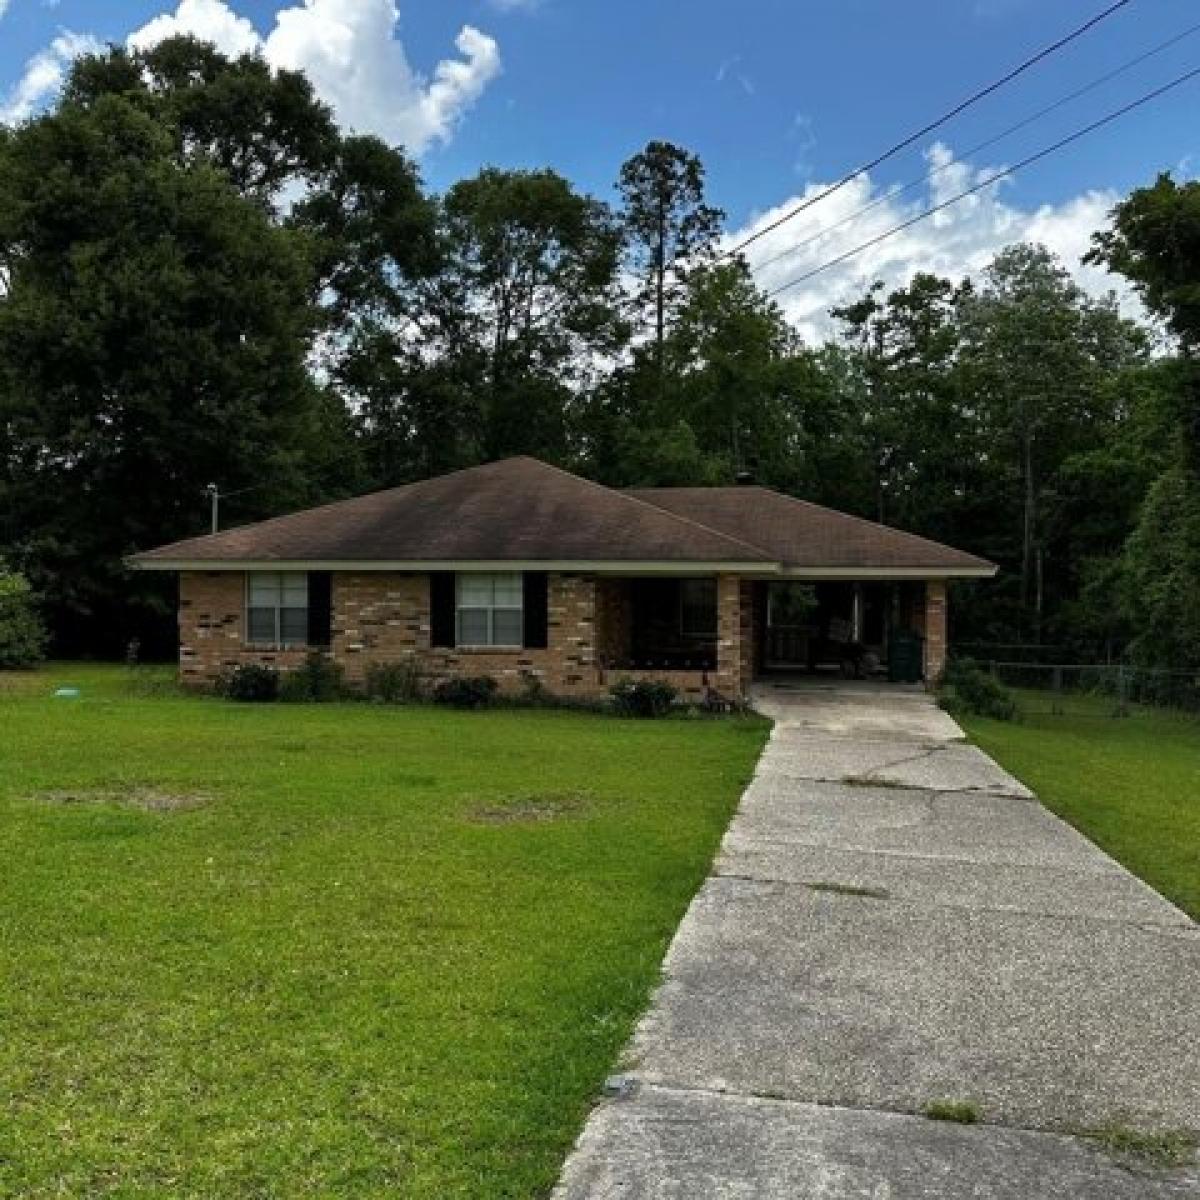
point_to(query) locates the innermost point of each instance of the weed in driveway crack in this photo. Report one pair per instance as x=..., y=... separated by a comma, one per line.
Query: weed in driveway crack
x=848, y=889
x=1150, y=1148
x=960, y=1112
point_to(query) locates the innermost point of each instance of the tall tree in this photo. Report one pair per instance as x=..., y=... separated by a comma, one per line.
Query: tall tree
x=1155, y=242
x=139, y=359
x=1036, y=353
x=183, y=243
x=669, y=228
x=905, y=346
x=525, y=308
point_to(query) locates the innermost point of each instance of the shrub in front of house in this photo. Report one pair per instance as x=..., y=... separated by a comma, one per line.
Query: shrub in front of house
x=967, y=687
x=316, y=681
x=470, y=691
x=394, y=683
x=22, y=634
x=250, y=684
x=643, y=697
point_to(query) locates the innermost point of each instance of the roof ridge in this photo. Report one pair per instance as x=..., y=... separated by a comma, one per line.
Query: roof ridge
x=624, y=495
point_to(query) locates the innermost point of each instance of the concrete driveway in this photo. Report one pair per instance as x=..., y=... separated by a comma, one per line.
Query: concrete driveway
x=894, y=921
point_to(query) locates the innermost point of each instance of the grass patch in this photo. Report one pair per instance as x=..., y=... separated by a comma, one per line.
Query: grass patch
x=958, y=1112
x=143, y=796
x=1129, y=784
x=335, y=978
x=1163, y=1148
x=526, y=810
x=849, y=889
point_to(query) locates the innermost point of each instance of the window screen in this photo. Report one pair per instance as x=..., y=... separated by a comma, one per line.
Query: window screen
x=490, y=609
x=277, y=608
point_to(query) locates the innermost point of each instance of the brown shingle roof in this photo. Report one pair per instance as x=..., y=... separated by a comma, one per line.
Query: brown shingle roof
x=799, y=534
x=519, y=509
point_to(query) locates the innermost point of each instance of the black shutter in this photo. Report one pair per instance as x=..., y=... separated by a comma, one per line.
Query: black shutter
x=441, y=608
x=320, y=609
x=536, y=610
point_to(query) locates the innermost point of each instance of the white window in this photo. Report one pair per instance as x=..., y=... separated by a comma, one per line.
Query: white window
x=490, y=609
x=277, y=608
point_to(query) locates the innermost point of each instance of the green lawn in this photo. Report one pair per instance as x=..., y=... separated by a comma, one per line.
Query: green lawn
x=1130, y=784
x=373, y=951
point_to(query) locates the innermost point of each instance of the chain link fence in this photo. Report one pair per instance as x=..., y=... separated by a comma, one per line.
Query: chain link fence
x=1102, y=690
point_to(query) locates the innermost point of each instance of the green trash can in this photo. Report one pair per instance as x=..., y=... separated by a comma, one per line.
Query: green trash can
x=906, y=656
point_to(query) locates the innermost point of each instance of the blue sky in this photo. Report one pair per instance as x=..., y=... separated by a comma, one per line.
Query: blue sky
x=776, y=96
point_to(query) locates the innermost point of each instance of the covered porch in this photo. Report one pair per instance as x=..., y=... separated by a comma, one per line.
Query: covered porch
x=719, y=633
x=853, y=628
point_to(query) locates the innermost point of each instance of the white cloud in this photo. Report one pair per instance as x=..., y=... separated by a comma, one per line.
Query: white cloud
x=957, y=242
x=3, y=7
x=349, y=49
x=43, y=76
x=211, y=20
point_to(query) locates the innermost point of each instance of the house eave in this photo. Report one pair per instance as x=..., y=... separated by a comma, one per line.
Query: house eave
x=599, y=567
x=883, y=574
x=761, y=570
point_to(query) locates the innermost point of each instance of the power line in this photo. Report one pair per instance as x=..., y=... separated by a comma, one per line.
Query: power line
x=216, y=496
x=892, y=194
x=978, y=187
x=895, y=149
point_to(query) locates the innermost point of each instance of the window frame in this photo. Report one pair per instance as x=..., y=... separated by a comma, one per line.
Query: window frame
x=491, y=608
x=278, y=608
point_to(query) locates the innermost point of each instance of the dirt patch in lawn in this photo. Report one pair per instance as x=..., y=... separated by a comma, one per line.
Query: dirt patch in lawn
x=147, y=797
x=527, y=810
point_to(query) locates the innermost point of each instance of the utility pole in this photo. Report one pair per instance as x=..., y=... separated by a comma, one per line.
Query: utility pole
x=214, y=497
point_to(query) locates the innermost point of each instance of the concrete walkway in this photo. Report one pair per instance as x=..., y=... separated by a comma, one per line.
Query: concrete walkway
x=895, y=921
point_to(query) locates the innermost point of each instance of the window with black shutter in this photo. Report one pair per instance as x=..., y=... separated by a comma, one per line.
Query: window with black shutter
x=320, y=609
x=536, y=610
x=441, y=608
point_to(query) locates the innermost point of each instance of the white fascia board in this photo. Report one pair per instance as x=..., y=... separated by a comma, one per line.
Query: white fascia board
x=596, y=568
x=887, y=573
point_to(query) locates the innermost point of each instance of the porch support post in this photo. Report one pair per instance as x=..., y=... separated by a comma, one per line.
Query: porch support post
x=735, y=640
x=935, y=630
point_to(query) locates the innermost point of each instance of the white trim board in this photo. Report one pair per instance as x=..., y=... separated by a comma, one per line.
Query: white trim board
x=750, y=569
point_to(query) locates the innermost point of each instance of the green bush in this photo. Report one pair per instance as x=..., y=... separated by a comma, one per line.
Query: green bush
x=22, y=634
x=642, y=697
x=317, y=680
x=394, y=683
x=250, y=684
x=977, y=691
x=472, y=691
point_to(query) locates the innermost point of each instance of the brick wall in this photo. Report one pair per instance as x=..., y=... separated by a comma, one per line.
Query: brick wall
x=385, y=617
x=935, y=630
x=212, y=615
x=614, y=620
x=735, y=648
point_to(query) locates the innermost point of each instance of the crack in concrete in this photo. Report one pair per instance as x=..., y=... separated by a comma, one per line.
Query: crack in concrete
x=1082, y=1137
x=1182, y=926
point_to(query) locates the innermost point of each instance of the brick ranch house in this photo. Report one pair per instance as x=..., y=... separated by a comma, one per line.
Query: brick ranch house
x=518, y=569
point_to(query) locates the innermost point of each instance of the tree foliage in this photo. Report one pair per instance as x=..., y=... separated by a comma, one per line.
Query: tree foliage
x=22, y=633
x=1155, y=242
x=202, y=278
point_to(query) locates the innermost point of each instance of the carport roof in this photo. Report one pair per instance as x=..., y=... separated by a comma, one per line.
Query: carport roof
x=802, y=535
